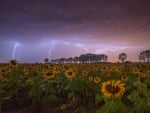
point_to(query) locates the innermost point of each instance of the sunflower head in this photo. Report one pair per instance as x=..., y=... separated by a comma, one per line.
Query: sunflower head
x=136, y=71
x=7, y=69
x=13, y=63
x=65, y=67
x=91, y=78
x=25, y=71
x=112, y=89
x=143, y=77
x=84, y=73
x=97, y=80
x=104, y=68
x=49, y=74
x=124, y=78
x=29, y=81
x=63, y=106
x=70, y=73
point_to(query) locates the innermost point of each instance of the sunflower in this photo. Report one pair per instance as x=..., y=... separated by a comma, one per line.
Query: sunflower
x=97, y=80
x=91, y=78
x=3, y=71
x=115, y=69
x=65, y=67
x=13, y=63
x=112, y=89
x=25, y=71
x=7, y=69
x=143, y=77
x=124, y=78
x=29, y=81
x=136, y=70
x=70, y=73
x=104, y=69
x=63, y=106
x=49, y=75
x=84, y=73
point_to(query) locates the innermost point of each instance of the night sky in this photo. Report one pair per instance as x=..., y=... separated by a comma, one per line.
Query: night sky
x=32, y=30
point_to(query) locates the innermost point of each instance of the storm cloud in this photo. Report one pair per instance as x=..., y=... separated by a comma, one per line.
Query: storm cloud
x=75, y=26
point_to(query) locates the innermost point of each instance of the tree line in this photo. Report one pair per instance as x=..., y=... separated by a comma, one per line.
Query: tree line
x=144, y=56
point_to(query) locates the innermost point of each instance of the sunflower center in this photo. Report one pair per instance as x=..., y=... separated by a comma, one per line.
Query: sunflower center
x=49, y=74
x=112, y=89
x=70, y=73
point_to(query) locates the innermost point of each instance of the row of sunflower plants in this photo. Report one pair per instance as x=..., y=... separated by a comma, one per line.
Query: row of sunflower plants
x=84, y=88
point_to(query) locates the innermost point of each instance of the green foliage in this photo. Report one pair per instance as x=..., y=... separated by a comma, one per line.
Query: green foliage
x=98, y=98
x=141, y=98
x=79, y=90
x=113, y=106
x=42, y=92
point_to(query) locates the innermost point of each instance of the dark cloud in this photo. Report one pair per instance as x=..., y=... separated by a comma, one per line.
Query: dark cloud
x=89, y=22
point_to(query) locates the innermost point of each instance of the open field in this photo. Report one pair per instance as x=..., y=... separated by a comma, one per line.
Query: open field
x=75, y=88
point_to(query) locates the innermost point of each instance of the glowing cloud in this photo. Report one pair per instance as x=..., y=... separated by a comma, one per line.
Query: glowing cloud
x=83, y=47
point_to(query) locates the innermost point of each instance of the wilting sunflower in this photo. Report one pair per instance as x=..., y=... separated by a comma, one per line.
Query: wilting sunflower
x=70, y=73
x=49, y=75
x=112, y=89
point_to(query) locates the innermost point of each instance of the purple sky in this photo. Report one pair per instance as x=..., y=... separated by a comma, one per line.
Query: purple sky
x=31, y=30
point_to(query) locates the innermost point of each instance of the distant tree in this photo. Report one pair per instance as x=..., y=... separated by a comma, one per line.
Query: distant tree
x=144, y=56
x=104, y=58
x=122, y=57
x=76, y=59
x=62, y=60
x=141, y=56
x=70, y=59
x=83, y=58
x=46, y=60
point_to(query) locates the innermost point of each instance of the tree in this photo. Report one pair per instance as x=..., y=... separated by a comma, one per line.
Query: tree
x=75, y=59
x=46, y=60
x=144, y=56
x=70, y=59
x=122, y=57
x=104, y=58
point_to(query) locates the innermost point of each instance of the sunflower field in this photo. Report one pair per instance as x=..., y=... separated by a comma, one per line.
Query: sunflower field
x=75, y=88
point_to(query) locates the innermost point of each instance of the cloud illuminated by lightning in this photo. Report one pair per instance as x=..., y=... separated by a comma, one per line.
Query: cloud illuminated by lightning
x=83, y=47
x=113, y=49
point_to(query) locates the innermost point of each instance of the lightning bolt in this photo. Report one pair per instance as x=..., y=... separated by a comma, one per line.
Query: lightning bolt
x=50, y=49
x=14, y=50
x=81, y=46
